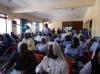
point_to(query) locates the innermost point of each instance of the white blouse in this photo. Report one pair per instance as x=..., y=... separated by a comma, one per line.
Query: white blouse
x=52, y=66
x=42, y=47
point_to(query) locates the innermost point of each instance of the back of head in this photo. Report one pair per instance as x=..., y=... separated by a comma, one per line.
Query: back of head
x=46, y=25
x=43, y=41
x=82, y=38
x=68, y=38
x=12, y=33
x=40, y=33
x=75, y=42
x=1, y=37
x=26, y=35
x=7, y=36
x=24, y=48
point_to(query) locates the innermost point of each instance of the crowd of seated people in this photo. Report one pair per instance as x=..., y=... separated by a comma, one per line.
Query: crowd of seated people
x=7, y=42
x=50, y=52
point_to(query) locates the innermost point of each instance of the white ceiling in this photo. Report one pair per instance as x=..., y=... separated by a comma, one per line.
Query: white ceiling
x=49, y=9
x=61, y=13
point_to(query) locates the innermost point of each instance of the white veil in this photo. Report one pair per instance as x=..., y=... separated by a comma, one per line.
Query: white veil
x=57, y=50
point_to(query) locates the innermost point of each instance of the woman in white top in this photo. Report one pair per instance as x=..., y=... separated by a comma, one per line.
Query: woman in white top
x=46, y=30
x=42, y=47
x=29, y=41
x=73, y=49
x=38, y=37
x=53, y=62
x=93, y=66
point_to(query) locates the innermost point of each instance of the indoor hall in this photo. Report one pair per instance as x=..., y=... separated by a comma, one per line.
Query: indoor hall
x=49, y=37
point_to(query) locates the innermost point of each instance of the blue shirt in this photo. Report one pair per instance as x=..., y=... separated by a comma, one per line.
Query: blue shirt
x=74, y=52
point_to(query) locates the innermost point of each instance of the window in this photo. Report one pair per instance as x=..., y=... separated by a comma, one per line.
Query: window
x=34, y=27
x=2, y=25
x=5, y=24
x=9, y=26
x=37, y=27
x=18, y=26
x=40, y=26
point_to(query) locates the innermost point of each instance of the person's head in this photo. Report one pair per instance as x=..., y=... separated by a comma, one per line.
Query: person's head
x=1, y=37
x=76, y=32
x=54, y=51
x=68, y=38
x=93, y=39
x=46, y=25
x=75, y=42
x=29, y=35
x=26, y=36
x=82, y=38
x=43, y=41
x=27, y=27
x=23, y=48
x=7, y=36
x=53, y=28
x=40, y=33
x=12, y=33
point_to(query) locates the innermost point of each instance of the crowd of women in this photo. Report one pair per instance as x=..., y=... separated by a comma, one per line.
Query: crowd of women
x=55, y=48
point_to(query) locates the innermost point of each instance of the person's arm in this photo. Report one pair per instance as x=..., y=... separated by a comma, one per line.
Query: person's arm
x=39, y=68
x=86, y=69
x=10, y=63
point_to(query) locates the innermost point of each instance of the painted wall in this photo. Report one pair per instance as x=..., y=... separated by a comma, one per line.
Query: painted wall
x=93, y=13
x=57, y=23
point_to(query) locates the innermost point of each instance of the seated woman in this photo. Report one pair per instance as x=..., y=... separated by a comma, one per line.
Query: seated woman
x=67, y=40
x=42, y=47
x=53, y=62
x=58, y=39
x=22, y=62
x=73, y=49
x=14, y=37
x=93, y=66
x=38, y=37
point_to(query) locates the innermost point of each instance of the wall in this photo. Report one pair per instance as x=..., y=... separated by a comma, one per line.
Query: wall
x=57, y=23
x=93, y=13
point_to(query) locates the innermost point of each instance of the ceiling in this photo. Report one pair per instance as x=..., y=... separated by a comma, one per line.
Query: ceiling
x=49, y=9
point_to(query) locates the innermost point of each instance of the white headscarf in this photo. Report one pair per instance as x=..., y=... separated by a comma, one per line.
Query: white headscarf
x=57, y=50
